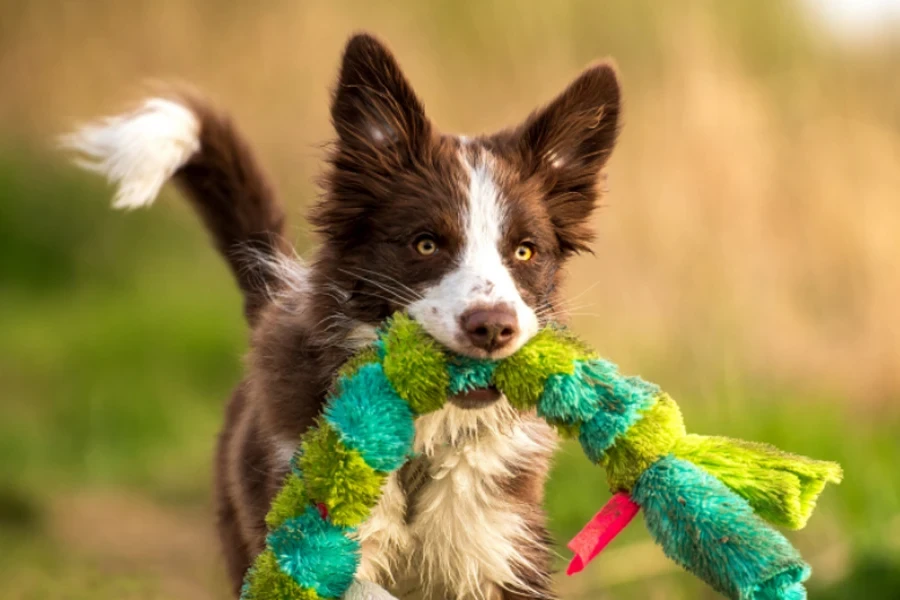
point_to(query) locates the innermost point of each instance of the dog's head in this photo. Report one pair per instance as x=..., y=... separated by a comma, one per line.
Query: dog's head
x=466, y=234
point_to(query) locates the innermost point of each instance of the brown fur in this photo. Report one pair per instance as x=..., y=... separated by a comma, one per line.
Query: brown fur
x=390, y=176
x=234, y=198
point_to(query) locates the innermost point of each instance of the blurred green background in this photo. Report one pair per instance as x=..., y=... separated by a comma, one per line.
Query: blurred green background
x=748, y=260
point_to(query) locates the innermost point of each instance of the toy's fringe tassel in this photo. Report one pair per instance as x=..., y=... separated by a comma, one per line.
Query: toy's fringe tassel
x=713, y=533
x=705, y=499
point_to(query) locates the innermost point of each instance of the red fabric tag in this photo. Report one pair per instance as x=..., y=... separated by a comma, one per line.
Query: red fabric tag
x=323, y=510
x=601, y=530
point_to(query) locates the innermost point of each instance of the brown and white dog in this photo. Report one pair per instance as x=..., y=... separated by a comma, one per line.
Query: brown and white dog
x=466, y=234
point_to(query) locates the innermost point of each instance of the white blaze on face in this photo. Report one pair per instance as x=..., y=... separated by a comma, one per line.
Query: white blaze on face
x=480, y=278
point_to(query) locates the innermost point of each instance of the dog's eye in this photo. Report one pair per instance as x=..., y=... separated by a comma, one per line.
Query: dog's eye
x=426, y=246
x=525, y=251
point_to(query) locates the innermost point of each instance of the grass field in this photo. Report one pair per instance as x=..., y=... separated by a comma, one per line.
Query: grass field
x=748, y=262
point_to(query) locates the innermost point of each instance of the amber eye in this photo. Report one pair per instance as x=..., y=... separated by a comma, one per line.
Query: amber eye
x=426, y=246
x=525, y=252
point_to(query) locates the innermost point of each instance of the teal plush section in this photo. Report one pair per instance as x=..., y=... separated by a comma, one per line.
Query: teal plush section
x=467, y=374
x=569, y=398
x=266, y=581
x=713, y=533
x=315, y=553
x=782, y=587
x=621, y=403
x=370, y=417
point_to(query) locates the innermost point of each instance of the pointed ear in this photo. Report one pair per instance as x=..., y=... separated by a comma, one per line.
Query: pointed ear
x=374, y=107
x=568, y=142
x=577, y=131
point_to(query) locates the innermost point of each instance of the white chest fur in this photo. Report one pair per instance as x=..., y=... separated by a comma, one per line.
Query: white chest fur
x=466, y=533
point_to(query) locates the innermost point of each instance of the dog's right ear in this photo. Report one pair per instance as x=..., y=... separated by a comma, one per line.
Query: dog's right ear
x=568, y=142
x=374, y=109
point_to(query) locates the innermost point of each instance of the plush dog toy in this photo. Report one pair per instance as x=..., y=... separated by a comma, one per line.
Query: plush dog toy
x=705, y=499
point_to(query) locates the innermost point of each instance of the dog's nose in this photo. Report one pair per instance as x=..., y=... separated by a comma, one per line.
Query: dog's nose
x=490, y=328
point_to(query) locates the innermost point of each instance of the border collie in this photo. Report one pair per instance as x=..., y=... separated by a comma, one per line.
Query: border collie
x=466, y=234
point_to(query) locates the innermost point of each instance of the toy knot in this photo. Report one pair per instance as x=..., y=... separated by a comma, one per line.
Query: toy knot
x=650, y=439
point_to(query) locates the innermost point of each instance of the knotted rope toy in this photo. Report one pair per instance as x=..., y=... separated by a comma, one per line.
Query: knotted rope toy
x=706, y=500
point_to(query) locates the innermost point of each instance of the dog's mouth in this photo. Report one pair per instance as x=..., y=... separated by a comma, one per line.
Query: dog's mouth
x=477, y=398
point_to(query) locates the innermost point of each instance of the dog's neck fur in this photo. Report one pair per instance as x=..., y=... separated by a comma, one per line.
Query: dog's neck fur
x=476, y=472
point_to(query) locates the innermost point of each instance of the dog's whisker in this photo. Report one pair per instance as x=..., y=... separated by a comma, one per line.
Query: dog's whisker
x=417, y=295
x=408, y=294
x=584, y=314
x=398, y=295
x=567, y=307
x=582, y=292
x=378, y=296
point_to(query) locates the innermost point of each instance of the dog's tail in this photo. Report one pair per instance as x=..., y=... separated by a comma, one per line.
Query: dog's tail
x=181, y=137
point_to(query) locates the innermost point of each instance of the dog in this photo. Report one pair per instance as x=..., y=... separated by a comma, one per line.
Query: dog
x=467, y=235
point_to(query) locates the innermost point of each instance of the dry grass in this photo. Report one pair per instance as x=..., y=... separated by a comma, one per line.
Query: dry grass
x=749, y=244
x=753, y=212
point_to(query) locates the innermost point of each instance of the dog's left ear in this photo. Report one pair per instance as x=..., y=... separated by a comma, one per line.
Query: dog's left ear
x=567, y=143
x=374, y=109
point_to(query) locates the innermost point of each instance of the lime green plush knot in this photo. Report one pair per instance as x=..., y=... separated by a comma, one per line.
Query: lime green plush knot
x=415, y=365
x=550, y=352
x=363, y=357
x=290, y=502
x=650, y=439
x=266, y=581
x=338, y=477
x=782, y=488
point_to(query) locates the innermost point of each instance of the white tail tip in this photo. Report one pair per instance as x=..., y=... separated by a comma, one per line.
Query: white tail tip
x=138, y=151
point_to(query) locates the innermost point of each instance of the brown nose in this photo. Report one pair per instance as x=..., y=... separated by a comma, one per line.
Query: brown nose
x=490, y=328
